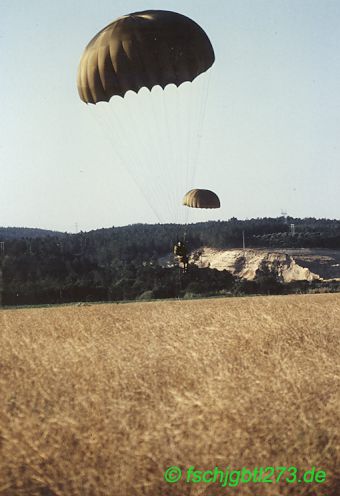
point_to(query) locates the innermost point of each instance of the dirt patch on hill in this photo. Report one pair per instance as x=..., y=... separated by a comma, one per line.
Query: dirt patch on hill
x=248, y=264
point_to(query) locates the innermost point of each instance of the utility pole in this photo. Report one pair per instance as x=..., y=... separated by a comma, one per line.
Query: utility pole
x=284, y=215
x=243, y=241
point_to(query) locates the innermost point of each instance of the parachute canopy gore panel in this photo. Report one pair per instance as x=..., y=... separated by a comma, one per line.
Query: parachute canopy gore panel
x=143, y=49
x=201, y=198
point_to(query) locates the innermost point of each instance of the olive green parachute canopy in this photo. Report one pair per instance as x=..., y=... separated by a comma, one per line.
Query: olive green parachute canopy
x=143, y=49
x=201, y=198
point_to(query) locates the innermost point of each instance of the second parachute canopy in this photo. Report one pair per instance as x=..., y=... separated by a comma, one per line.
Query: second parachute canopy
x=201, y=198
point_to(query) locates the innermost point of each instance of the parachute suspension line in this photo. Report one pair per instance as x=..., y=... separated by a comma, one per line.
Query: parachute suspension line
x=106, y=124
x=198, y=99
x=193, y=144
x=176, y=165
x=145, y=146
x=180, y=172
x=134, y=158
x=161, y=145
x=189, y=125
x=201, y=121
x=173, y=116
x=191, y=135
x=144, y=174
x=112, y=56
x=201, y=106
x=197, y=102
x=156, y=145
x=197, y=131
x=170, y=149
x=176, y=153
x=126, y=160
x=183, y=172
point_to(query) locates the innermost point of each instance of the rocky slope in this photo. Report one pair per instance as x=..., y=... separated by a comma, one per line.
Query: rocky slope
x=248, y=264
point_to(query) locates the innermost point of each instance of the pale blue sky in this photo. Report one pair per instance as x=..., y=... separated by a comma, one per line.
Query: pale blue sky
x=271, y=134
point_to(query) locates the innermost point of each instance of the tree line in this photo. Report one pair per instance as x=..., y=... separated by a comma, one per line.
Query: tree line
x=125, y=263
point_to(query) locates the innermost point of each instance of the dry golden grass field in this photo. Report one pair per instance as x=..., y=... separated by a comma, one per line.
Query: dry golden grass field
x=101, y=399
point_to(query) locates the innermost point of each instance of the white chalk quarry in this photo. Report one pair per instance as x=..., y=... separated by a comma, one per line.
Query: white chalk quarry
x=247, y=264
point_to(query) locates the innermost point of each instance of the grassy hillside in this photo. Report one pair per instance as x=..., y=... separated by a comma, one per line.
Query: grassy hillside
x=101, y=399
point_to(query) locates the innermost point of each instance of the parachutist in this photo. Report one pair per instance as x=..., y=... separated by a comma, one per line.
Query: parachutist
x=181, y=252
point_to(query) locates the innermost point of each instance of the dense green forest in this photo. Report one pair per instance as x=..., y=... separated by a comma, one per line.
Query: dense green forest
x=25, y=232
x=124, y=263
